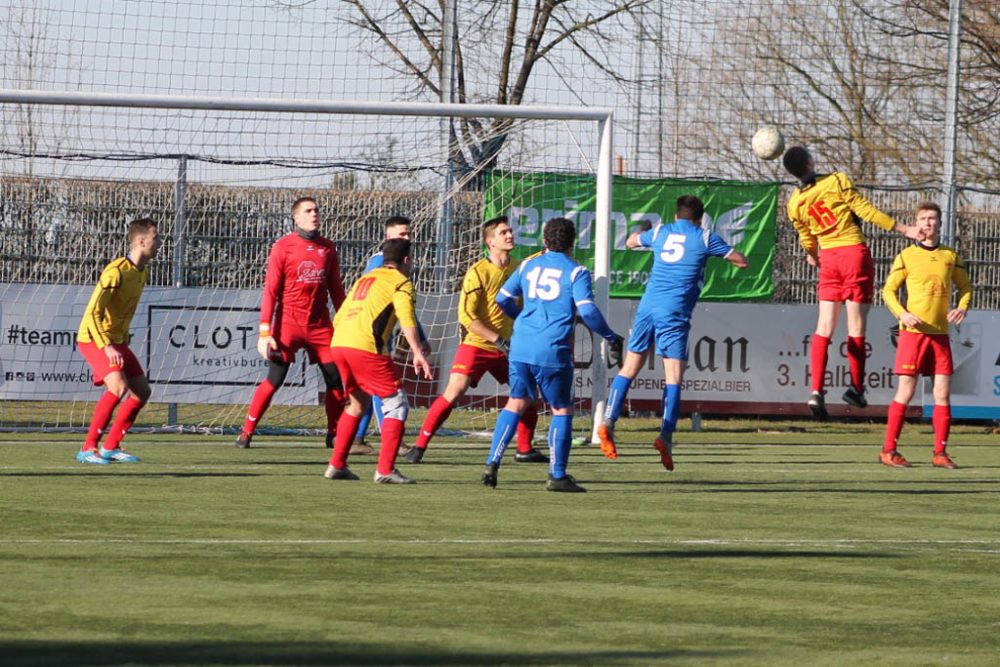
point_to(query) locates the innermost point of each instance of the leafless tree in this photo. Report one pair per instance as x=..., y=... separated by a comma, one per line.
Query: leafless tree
x=498, y=47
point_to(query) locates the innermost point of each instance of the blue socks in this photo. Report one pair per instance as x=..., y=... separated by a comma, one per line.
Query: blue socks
x=616, y=398
x=503, y=433
x=671, y=408
x=560, y=440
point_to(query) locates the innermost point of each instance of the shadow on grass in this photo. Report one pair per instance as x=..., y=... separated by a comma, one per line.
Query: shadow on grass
x=106, y=471
x=39, y=653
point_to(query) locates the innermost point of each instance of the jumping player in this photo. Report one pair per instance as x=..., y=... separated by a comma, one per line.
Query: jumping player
x=303, y=271
x=103, y=340
x=928, y=271
x=680, y=251
x=360, y=347
x=554, y=288
x=826, y=210
x=485, y=345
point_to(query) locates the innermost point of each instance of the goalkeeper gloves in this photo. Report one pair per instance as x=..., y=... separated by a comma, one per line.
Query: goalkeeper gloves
x=503, y=345
x=616, y=351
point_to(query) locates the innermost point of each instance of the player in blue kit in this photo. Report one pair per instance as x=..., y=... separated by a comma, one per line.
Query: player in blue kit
x=680, y=250
x=553, y=288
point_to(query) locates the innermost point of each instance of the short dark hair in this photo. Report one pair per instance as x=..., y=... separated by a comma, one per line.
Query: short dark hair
x=559, y=234
x=929, y=206
x=690, y=208
x=490, y=226
x=300, y=201
x=796, y=161
x=138, y=227
x=395, y=250
x=397, y=221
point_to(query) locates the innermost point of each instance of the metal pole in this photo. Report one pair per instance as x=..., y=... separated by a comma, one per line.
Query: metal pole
x=951, y=123
x=602, y=267
x=445, y=217
x=178, y=239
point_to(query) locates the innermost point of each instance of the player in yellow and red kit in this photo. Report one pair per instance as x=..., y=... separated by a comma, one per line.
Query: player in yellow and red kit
x=928, y=270
x=485, y=344
x=360, y=347
x=303, y=273
x=826, y=211
x=103, y=340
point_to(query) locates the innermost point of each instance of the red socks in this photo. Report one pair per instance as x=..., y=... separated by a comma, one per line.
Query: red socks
x=856, y=361
x=258, y=405
x=333, y=403
x=438, y=413
x=817, y=360
x=392, y=435
x=893, y=426
x=102, y=415
x=347, y=428
x=526, y=428
x=123, y=421
x=941, y=419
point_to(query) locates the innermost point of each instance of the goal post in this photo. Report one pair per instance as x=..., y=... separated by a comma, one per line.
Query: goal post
x=236, y=120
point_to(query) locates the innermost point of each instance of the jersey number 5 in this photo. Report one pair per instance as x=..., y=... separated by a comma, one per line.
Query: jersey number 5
x=673, y=248
x=543, y=283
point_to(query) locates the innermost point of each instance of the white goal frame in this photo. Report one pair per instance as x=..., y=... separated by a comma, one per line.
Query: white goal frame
x=601, y=116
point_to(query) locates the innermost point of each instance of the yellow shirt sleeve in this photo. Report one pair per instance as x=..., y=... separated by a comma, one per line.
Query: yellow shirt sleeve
x=404, y=302
x=860, y=206
x=890, y=291
x=470, y=300
x=960, y=277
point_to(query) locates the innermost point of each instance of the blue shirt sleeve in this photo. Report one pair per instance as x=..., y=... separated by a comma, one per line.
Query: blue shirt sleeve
x=717, y=247
x=583, y=297
x=646, y=238
x=509, y=293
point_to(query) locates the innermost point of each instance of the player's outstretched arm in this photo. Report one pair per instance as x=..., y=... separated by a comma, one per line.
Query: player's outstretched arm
x=737, y=259
x=420, y=365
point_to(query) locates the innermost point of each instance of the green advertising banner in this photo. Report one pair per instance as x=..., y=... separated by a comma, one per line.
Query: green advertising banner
x=744, y=214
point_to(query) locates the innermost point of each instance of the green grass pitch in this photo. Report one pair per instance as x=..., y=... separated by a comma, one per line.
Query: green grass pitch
x=770, y=544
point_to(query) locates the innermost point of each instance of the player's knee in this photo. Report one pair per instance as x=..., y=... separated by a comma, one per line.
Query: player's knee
x=276, y=373
x=331, y=376
x=396, y=406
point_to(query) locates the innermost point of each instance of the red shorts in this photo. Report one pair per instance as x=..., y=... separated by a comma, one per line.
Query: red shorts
x=476, y=362
x=923, y=354
x=316, y=341
x=99, y=364
x=846, y=274
x=374, y=374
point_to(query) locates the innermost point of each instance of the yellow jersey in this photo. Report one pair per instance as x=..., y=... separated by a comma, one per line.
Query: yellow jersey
x=109, y=312
x=478, y=301
x=928, y=274
x=369, y=313
x=825, y=213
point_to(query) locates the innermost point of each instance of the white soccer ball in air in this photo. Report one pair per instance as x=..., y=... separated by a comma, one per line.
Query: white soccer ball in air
x=768, y=143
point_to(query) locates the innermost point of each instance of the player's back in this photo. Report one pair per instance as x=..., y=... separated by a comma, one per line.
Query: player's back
x=376, y=301
x=548, y=284
x=827, y=209
x=680, y=251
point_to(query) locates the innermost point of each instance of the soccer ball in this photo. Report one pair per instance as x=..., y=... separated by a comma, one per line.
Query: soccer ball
x=768, y=143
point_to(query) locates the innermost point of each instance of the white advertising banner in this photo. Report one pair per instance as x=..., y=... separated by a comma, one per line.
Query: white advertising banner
x=196, y=346
x=199, y=346
x=754, y=359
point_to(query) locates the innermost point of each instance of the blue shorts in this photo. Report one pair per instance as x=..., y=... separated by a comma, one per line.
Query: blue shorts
x=669, y=330
x=556, y=384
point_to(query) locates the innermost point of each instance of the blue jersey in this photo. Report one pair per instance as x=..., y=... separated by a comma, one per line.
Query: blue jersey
x=552, y=286
x=680, y=251
x=377, y=261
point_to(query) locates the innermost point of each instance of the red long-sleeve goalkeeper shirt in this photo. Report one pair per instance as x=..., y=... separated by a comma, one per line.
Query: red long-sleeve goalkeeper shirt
x=301, y=274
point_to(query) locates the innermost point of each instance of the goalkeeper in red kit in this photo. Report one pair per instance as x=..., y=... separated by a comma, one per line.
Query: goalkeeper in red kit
x=303, y=273
x=826, y=211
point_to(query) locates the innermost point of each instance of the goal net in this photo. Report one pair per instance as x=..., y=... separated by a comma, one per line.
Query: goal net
x=219, y=177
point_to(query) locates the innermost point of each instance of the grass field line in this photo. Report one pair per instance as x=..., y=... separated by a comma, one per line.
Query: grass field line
x=720, y=542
